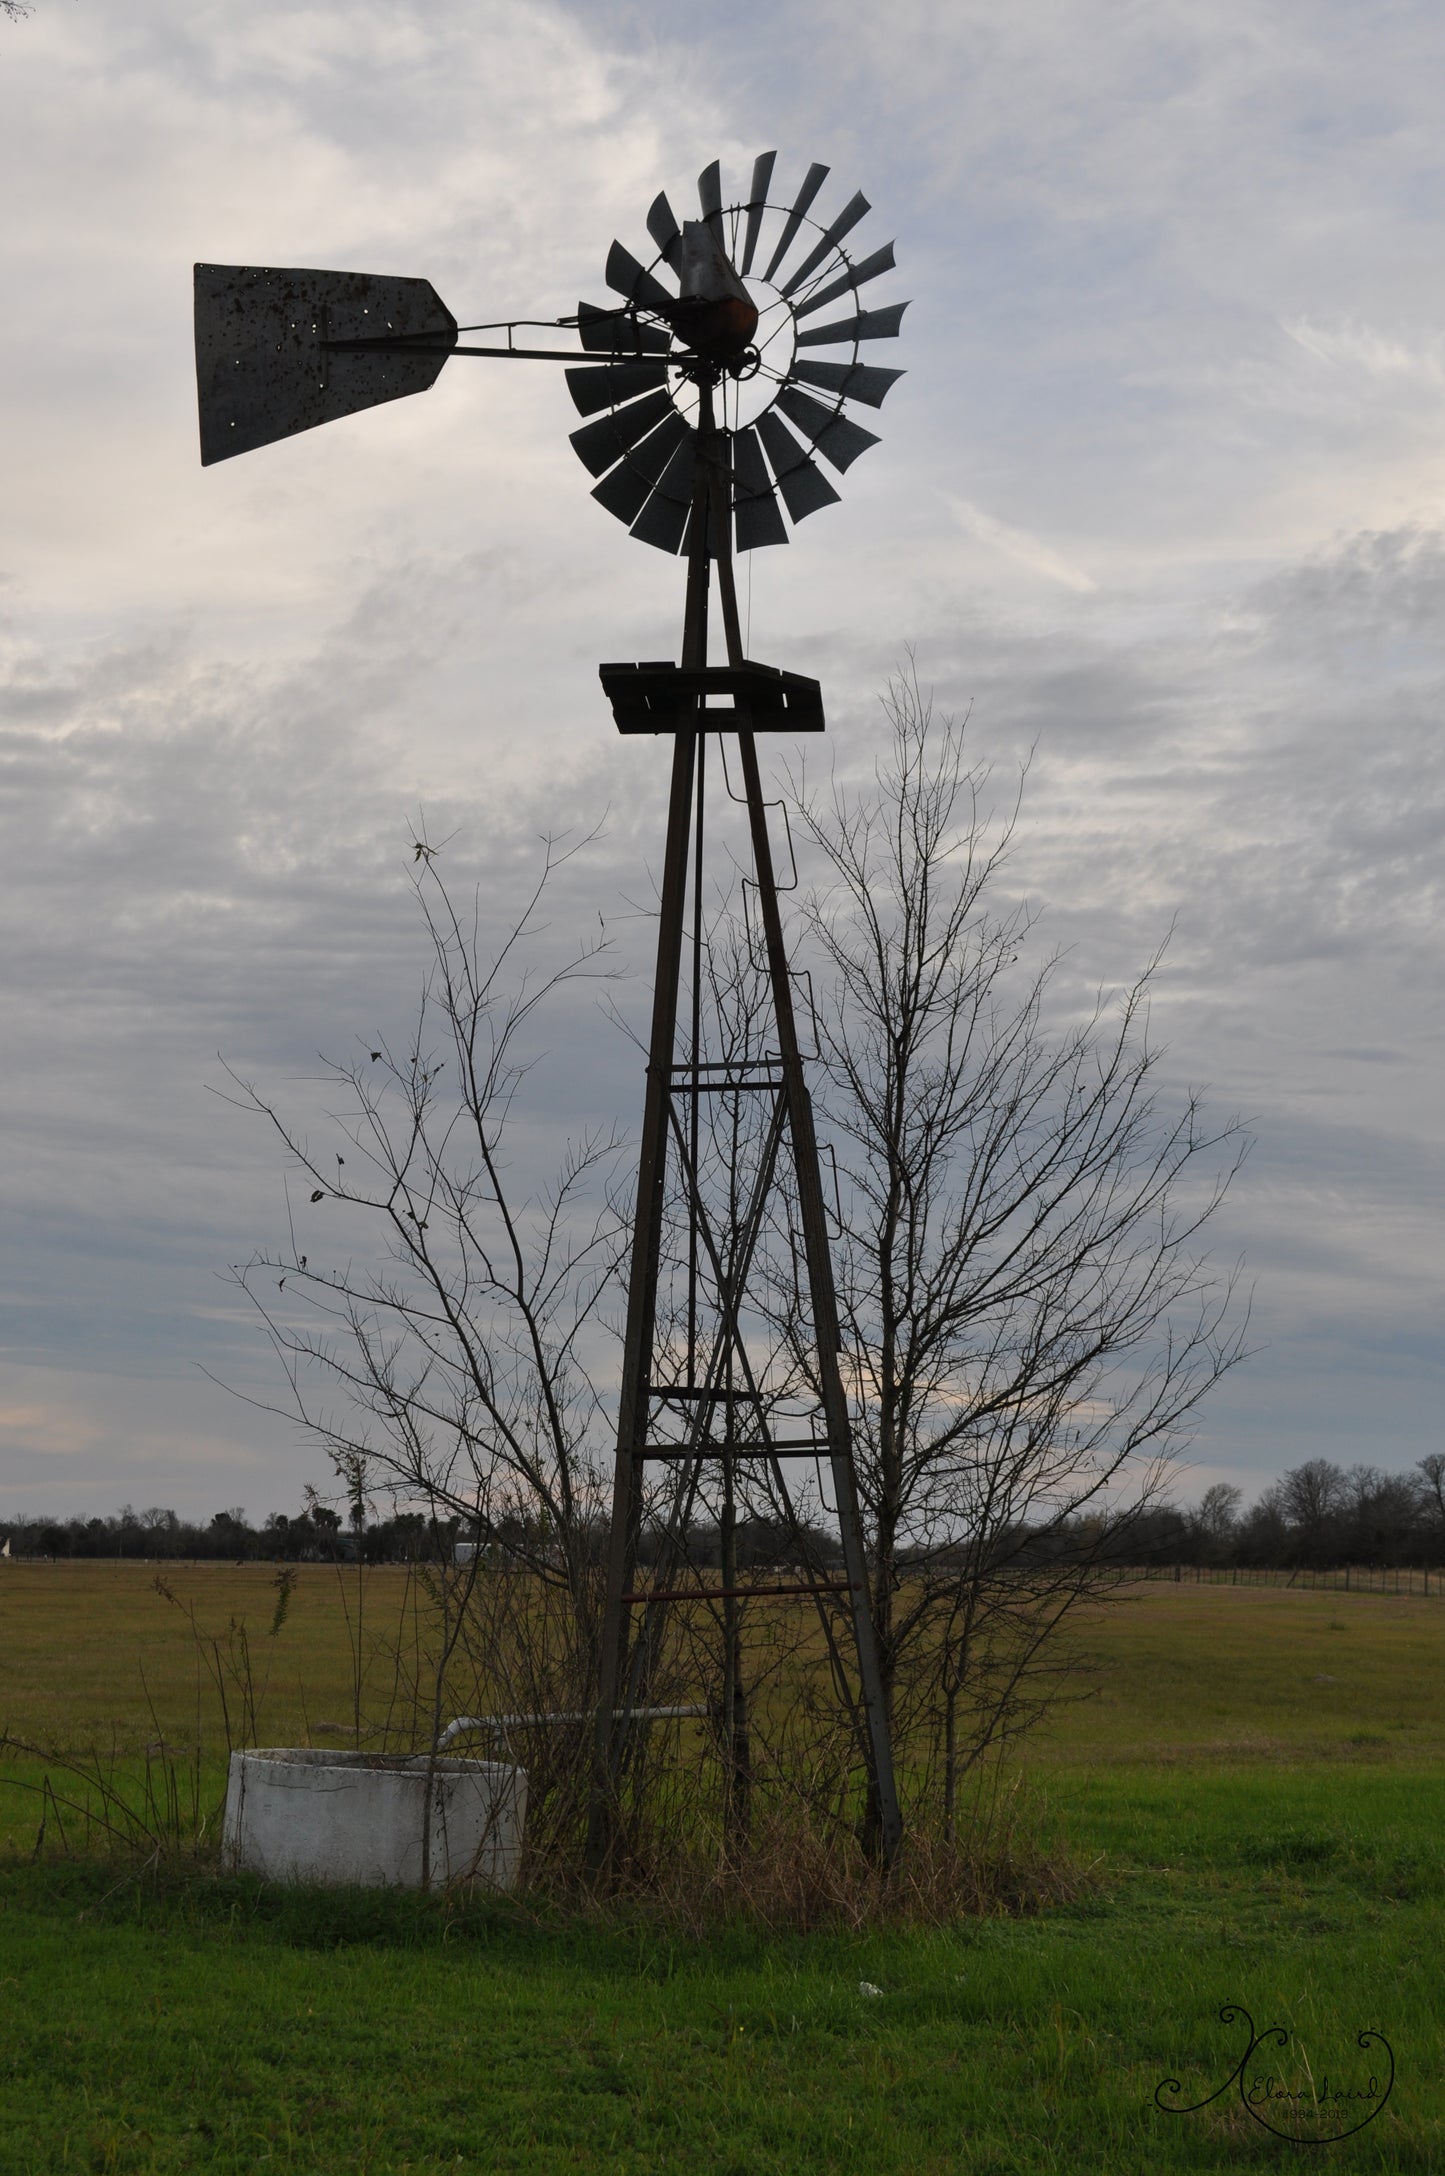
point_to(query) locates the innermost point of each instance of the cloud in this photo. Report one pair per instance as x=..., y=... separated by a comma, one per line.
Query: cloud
x=1161, y=496
x=1369, y=353
x=1017, y=544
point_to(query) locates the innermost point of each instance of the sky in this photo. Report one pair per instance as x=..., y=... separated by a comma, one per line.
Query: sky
x=1160, y=504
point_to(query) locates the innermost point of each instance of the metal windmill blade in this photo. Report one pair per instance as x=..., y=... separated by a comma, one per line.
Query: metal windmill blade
x=756, y=206
x=700, y=314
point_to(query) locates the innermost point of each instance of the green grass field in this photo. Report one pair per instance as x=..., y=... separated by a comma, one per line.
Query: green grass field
x=1257, y=1779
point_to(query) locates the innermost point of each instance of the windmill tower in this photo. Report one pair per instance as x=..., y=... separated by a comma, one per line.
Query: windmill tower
x=711, y=386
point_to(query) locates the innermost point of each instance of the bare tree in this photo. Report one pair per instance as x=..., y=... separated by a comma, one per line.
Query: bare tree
x=1312, y=1494
x=448, y=1368
x=1028, y=1316
x=1215, y=1517
x=1311, y=1501
x=1431, y=1487
x=1378, y=1513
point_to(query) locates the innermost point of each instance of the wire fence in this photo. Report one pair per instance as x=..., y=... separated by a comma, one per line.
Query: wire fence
x=1341, y=1579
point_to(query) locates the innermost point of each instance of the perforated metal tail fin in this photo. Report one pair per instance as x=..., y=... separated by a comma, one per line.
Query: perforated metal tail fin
x=266, y=363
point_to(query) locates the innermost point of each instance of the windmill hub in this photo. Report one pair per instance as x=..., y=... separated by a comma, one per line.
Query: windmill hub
x=751, y=376
x=714, y=314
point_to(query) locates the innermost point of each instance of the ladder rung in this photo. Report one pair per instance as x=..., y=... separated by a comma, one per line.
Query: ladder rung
x=738, y=1450
x=723, y=1065
x=715, y=1396
x=725, y=1087
x=700, y=1390
x=744, y=1594
x=711, y=1450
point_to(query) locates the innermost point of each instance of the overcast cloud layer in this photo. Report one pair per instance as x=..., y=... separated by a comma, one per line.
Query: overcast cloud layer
x=1162, y=498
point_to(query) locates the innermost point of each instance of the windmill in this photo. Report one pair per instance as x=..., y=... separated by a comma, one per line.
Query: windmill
x=713, y=382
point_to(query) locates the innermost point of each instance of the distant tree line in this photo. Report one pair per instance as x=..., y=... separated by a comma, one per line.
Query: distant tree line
x=320, y=1535
x=1316, y=1515
x=316, y=1535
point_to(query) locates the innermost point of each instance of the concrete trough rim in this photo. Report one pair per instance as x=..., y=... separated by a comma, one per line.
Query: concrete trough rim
x=354, y=1762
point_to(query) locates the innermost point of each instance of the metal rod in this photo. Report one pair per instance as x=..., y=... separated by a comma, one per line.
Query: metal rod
x=732, y=1087
x=697, y=834
x=682, y=1390
x=461, y=1724
x=826, y=1334
x=806, y=1446
x=733, y=1594
x=647, y=1225
x=642, y=1280
x=600, y=356
x=716, y=1065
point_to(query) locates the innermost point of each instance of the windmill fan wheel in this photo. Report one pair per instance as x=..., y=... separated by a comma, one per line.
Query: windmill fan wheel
x=760, y=301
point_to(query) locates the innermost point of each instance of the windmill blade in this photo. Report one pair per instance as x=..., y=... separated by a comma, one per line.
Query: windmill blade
x=626, y=491
x=608, y=385
x=664, y=229
x=664, y=518
x=262, y=370
x=625, y=276
x=604, y=442
x=855, y=209
x=835, y=436
x=857, y=275
x=662, y=522
x=867, y=325
x=853, y=381
x=709, y=196
x=756, y=520
x=757, y=200
x=804, y=486
x=618, y=332
x=813, y=181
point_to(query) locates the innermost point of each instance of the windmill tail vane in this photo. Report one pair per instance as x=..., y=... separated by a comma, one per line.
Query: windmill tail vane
x=715, y=390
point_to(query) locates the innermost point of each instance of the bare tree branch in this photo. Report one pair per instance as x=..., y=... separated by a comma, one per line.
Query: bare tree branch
x=1030, y=1321
x=453, y=1373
